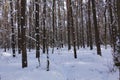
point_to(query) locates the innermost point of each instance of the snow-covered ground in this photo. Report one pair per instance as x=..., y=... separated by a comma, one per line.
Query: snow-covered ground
x=63, y=66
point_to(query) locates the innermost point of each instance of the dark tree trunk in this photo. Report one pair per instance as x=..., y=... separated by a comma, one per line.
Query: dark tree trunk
x=19, y=28
x=44, y=29
x=118, y=13
x=23, y=30
x=47, y=55
x=89, y=26
x=53, y=24
x=30, y=26
x=60, y=26
x=77, y=25
x=105, y=32
x=68, y=24
x=97, y=39
x=82, y=26
x=118, y=35
x=13, y=32
x=37, y=28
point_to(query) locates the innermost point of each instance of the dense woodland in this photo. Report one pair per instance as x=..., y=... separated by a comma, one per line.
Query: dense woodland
x=49, y=24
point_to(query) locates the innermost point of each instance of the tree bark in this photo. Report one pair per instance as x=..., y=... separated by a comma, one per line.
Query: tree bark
x=53, y=24
x=23, y=30
x=118, y=13
x=44, y=29
x=89, y=26
x=112, y=27
x=68, y=24
x=37, y=28
x=13, y=32
x=19, y=28
x=97, y=39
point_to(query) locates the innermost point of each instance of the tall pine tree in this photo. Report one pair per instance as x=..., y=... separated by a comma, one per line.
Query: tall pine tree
x=23, y=30
x=97, y=38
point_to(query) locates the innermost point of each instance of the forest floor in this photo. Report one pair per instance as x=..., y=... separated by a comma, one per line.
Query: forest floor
x=63, y=66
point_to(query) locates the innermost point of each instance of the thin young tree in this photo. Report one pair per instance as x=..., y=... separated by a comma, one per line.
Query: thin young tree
x=47, y=49
x=53, y=24
x=105, y=28
x=97, y=39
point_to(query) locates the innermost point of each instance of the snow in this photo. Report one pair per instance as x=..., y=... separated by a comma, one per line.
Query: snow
x=63, y=66
x=5, y=54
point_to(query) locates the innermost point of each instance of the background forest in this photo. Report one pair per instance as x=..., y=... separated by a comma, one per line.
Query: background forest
x=72, y=39
x=44, y=25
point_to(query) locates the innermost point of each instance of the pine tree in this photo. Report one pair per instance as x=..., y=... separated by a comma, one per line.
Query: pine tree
x=89, y=26
x=82, y=25
x=44, y=28
x=37, y=30
x=13, y=32
x=18, y=24
x=23, y=30
x=70, y=24
x=53, y=24
x=37, y=27
x=97, y=39
x=113, y=29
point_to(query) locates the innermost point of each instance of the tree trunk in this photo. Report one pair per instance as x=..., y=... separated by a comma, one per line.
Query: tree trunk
x=47, y=55
x=53, y=24
x=19, y=28
x=97, y=39
x=89, y=26
x=23, y=30
x=13, y=33
x=30, y=26
x=118, y=13
x=77, y=24
x=68, y=24
x=82, y=26
x=37, y=28
x=60, y=26
x=112, y=27
x=44, y=29
x=105, y=32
